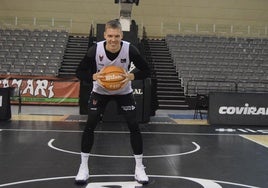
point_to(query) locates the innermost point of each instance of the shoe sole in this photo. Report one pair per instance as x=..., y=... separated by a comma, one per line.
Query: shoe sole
x=81, y=182
x=142, y=182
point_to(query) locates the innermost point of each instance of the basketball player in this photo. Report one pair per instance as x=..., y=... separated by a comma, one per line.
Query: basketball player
x=112, y=51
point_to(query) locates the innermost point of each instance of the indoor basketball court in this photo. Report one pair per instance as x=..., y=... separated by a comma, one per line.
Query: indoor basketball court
x=38, y=152
x=202, y=57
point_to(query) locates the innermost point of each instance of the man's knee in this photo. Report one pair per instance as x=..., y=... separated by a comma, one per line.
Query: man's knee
x=92, y=119
x=133, y=126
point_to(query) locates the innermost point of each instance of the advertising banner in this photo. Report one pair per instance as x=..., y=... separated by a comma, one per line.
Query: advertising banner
x=44, y=90
x=238, y=108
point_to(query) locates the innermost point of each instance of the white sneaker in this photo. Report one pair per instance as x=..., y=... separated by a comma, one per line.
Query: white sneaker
x=82, y=175
x=140, y=175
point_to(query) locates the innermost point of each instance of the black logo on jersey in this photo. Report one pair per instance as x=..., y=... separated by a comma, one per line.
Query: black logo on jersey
x=101, y=57
x=95, y=102
x=123, y=60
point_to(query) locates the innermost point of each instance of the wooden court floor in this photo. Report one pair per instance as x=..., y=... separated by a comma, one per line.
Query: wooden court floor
x=43, y=151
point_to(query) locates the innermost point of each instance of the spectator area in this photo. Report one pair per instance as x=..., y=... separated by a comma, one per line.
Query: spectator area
x=211, y=63
x=33, y=53
x=203, y=63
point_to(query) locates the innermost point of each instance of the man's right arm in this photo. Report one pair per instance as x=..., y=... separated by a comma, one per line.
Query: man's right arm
x=87, y=66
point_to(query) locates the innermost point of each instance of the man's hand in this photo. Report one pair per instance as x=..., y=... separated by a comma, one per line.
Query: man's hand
x=98, y=75
x=128, y=77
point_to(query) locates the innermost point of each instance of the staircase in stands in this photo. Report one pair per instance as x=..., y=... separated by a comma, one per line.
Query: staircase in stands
x=170, y=94
x=169, y=91
x=75, y=51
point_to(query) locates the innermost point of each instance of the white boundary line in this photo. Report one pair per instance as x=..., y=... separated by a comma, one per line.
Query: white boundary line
x=206, y=183
x=197, y=147
x=123, y=132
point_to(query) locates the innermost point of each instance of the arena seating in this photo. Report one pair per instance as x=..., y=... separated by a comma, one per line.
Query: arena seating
x=211, y=63
x=34, y=53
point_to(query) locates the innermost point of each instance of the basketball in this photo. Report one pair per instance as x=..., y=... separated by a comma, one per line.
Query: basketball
x=112, y=77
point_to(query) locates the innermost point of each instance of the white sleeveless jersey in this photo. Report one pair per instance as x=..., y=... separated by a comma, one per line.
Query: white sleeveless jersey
x=122, y=60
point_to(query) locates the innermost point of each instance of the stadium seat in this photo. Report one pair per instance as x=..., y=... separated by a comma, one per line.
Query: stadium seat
x=229, y=59
x=22, y=49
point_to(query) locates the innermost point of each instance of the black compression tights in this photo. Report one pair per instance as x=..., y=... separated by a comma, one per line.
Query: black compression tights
x=133, y=126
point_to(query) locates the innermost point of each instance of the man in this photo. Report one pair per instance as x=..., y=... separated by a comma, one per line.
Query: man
x=112, y=51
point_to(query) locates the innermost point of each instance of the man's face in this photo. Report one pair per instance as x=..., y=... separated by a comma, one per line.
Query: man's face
x=113, y=39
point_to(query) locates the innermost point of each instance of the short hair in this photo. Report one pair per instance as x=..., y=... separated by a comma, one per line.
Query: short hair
x=114, y=24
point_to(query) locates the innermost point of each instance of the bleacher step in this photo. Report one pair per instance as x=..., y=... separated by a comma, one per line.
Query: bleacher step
x=169, y=92
x=172, y=102
x=76, y=49
x=167, y=84
x=173, y=106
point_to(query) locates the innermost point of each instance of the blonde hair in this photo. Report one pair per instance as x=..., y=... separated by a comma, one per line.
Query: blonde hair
x=114, y=24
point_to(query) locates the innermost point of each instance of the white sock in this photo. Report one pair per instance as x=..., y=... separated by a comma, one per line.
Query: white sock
x=138, y=160
x=84, y=159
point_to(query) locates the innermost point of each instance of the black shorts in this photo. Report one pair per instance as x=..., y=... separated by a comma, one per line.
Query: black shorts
x=98, y=102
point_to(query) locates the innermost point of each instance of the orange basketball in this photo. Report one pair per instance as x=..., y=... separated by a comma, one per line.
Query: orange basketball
x=112, y=77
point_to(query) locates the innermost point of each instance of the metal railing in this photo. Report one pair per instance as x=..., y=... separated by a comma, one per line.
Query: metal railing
x=198, y=86
x=160, y=29
x=224, y=86
x=36, y=23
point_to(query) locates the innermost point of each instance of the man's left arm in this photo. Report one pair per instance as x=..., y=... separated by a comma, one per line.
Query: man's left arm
x=139, y=62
